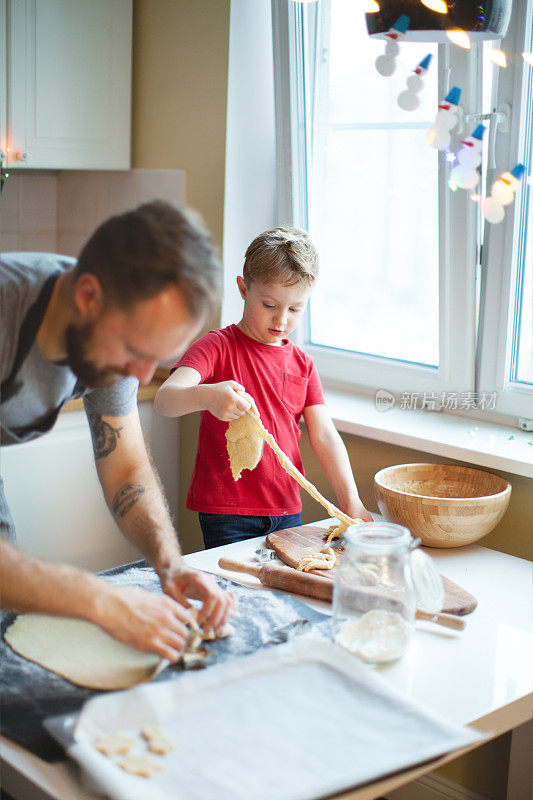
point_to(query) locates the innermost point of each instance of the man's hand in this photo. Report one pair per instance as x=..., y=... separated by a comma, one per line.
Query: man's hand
x=226, y=400
x=218, y=606
x=145, y=620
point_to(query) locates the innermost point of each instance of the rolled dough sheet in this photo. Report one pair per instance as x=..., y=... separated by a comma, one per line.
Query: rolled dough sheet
x=81, y=652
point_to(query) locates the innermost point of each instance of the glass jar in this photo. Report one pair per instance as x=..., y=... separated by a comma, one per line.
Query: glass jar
x=379, y=582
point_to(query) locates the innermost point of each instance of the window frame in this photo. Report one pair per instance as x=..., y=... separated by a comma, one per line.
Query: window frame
x=500, y=261
x=459, y=220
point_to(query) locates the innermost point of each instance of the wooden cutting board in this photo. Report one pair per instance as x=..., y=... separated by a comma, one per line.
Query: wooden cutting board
x=292, y=543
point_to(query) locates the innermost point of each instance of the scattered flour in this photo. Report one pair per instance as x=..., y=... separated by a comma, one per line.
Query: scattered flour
x=377, y=636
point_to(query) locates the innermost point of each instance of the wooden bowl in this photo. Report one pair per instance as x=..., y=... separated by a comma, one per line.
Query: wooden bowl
x=444, y=505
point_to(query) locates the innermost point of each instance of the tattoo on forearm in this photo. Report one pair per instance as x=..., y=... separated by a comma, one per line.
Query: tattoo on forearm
x=104, y=436
x=126, y=497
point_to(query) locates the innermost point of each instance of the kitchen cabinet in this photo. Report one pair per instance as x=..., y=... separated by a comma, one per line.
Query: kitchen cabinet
x=56, y=500
x=65, y=84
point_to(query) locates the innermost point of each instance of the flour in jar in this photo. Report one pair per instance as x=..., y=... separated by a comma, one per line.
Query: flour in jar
x=377, y=636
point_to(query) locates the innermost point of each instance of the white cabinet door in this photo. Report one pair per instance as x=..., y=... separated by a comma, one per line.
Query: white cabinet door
x=69, y=84
x=56, y=500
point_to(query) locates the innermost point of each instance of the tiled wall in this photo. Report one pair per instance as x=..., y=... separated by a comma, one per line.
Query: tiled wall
x=28, y=213
x=55, y=212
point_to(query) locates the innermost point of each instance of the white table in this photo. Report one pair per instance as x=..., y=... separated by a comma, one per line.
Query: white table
x=482, y=676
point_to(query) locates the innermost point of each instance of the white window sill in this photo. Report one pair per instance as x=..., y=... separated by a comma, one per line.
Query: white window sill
x=480, y=443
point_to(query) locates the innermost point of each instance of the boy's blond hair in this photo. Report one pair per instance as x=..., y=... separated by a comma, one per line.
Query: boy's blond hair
x=281, y=255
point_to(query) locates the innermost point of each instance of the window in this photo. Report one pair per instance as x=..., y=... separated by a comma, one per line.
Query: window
x=403, y=290
x=373, y=201
x=505, y=353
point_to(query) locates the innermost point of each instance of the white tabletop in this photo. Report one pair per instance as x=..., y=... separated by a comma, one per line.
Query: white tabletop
x=481, y=676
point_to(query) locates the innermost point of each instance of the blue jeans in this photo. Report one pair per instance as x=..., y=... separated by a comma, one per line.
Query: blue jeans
x=221, y=529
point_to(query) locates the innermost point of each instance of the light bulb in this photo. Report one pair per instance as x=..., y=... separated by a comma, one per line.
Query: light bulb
x=370, y=6
x=502, y=192
x=494, y=212
x=436, y=5
x=498, y=57
x=459, y=37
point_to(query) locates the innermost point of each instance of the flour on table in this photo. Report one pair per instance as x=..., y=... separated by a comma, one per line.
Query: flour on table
x=376, y=636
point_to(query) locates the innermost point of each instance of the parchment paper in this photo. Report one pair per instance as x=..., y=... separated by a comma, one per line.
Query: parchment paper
x=300, y=721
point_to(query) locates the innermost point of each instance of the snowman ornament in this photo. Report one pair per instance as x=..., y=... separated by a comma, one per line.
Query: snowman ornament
x=409, y=100
x=386, y=64
x=438, y=136
x=502, y=194
x=465, y=174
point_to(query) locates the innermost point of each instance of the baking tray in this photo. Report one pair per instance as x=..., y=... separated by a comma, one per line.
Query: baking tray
x=303, y=720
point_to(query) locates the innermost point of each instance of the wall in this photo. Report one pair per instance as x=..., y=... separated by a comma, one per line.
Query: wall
x=180, y=68
x=56, y=211
x=186, y=116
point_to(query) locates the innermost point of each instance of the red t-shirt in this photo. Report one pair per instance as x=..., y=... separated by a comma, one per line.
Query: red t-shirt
x=283, y=381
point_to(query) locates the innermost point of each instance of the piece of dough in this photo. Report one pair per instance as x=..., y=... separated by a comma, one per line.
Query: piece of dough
x=113, y=745
x=157, y=740
x=226, y=630
x=245, y=445
x=243, y=439
x=80, y=652
x=145, y=766
x=324, y=559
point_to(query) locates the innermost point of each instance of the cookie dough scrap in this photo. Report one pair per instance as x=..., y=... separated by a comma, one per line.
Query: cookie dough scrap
x=200, y=636
x=157, y=740
x=144, y=766
x=324, y=559
x=116, y=744
x=245, y=437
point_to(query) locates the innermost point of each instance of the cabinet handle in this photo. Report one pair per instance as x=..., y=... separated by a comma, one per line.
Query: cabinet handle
x=21, y=156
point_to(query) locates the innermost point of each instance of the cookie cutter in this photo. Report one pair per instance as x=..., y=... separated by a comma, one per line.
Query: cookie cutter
x=286, y=632
x=264, y=554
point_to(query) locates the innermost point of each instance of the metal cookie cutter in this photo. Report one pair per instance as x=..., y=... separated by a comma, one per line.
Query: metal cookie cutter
x=264, y=554
x=286, y=632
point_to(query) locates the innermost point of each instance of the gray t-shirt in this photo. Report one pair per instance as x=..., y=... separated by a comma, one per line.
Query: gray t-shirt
x=41, y=386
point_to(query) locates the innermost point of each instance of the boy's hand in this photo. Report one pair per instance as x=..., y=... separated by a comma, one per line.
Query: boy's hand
x=226, y=400
x=356, y=510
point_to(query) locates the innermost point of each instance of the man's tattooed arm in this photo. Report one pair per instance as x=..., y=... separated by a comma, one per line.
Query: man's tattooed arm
x=104, y=436
x=126, y=497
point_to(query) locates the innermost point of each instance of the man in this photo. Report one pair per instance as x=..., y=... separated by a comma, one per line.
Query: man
x=139, y=293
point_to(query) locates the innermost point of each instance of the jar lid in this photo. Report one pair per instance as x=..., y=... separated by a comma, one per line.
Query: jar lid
x=378, y=535
x=427, y=581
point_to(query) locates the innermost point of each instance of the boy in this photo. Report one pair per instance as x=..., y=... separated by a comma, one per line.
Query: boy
x=280, y=268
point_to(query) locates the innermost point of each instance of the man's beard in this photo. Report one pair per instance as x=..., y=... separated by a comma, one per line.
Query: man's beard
x=76, y=340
